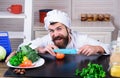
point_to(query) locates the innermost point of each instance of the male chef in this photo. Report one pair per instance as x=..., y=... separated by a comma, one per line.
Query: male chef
x=60, y=35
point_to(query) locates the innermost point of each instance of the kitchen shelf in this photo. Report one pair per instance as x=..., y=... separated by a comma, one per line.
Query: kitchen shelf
x=15, y=34
x=96, y=26
x=10, y=15
x=26, y=16
x=84, y=26
x=12, y=34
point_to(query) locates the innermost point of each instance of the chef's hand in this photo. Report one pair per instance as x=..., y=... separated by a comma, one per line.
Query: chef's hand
x=48, y=48
x=90, y=50
x=8, y=57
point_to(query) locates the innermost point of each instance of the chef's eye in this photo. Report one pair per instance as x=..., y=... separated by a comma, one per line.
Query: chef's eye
x=58, y=29
x=51, y=31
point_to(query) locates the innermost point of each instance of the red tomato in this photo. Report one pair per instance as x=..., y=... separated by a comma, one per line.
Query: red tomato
x=26, y=63
x=60, y=56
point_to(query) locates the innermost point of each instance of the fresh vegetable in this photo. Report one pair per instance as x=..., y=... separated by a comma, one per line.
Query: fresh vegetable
x=16, y=59
x=23, y=54
x=33, y=55
x=92, y=71
x=2, y=53
x=60, y=56
x=26, y=63
x=24, y=58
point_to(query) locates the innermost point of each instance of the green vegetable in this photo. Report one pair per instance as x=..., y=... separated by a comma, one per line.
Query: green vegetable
x=15, y=60
x=24, y=51
x=33, y=56
x=92, y=71
x=2, y=53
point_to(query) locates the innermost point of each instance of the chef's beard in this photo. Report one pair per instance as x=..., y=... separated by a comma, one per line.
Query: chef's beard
x=61, y=44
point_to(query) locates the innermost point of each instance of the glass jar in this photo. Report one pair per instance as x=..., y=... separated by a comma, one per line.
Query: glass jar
x=115, y=60
x=115, y=69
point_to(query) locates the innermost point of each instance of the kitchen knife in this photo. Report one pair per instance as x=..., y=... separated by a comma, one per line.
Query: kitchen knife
x=66, y=51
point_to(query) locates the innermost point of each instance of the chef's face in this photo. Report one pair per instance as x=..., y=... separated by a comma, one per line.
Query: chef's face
x=59, y=34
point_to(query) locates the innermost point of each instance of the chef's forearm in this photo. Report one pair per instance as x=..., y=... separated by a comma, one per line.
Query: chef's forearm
x=40, y=50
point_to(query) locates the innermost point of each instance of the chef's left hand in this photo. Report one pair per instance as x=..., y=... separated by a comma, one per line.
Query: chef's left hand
x=90, y=50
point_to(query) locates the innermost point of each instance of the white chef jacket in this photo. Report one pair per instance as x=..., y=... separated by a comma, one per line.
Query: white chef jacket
x=77, y=40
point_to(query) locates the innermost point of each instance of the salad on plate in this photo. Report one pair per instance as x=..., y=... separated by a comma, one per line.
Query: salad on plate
x=26, y=57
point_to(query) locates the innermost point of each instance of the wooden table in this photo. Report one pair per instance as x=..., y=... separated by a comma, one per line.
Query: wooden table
x=61, y=68
x=3, y=68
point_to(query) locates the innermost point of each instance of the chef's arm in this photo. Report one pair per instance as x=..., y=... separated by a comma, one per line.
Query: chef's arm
x=40, y=50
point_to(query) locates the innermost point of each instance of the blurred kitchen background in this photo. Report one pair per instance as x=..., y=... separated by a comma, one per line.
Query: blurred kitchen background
x=73, y=7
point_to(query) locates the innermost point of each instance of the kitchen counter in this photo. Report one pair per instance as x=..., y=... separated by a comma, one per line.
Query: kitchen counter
x=62, y=68
x=3, y=68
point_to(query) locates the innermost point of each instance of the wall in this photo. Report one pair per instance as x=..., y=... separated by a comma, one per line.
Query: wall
x=91, y=6
x=116, y=20
x=73, y=7
x=64, y=5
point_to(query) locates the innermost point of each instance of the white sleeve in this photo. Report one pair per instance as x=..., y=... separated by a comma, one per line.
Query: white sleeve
x=43, y=41
x=106, y=47
x=85, y=39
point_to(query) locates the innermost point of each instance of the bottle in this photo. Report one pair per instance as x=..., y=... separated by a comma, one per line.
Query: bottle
x=115, y=59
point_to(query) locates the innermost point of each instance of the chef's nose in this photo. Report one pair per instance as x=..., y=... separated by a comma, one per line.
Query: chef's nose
x=56, y=33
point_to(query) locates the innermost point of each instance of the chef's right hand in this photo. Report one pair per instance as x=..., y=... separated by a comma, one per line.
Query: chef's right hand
x=11, y=54
x=48, y=48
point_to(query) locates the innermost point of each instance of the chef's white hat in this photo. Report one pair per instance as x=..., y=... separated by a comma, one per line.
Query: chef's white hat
x=57, y=16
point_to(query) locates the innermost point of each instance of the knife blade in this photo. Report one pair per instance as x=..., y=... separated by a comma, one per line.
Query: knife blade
x=66, y=51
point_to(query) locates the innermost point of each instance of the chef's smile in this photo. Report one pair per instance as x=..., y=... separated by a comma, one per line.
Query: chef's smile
x=58, y=39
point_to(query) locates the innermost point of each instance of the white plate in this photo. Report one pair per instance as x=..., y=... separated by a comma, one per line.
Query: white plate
x=38, y=63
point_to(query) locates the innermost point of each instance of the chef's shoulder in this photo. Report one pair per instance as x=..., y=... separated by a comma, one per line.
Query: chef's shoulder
x=45, y=38
x=77, y=34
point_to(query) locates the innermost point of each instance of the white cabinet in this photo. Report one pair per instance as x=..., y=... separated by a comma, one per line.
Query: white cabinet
x=101, y=31
x=26, y=16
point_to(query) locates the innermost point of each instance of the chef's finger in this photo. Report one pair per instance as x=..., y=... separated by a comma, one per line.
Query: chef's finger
x=79, y=51
x=54, y=47
x=88, y=52
x=83, y=50
x=11, y=54
x=49, y=50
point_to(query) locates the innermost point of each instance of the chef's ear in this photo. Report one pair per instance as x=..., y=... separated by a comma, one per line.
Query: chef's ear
x=69, y=30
